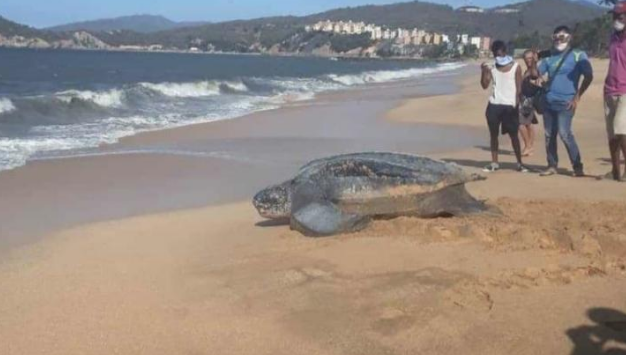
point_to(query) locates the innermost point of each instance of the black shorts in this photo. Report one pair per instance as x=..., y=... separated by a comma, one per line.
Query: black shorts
x=504, y=116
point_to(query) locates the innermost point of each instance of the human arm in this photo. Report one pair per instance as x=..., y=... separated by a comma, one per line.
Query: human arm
x=485, y=76
x=587, y=72
x=543, y=54
x=518, y=85
x=542, y=72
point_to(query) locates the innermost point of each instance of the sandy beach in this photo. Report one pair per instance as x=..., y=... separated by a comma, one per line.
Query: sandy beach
x=150, y=266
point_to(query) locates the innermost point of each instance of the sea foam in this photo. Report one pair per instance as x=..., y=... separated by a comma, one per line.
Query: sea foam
x=195, y=89
x=132, y=108
x=6, y=105
x=108, y=98
x=382, y=76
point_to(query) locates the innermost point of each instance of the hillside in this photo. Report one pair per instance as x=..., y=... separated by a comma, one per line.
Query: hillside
x=10, y=29
x=136, y=23
x=534, y=15
x=286, y=34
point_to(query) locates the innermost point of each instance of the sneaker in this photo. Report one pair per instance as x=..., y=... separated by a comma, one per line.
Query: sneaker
x=578, y=173
x=493, y=167
x=549, y=172
x=522, y=169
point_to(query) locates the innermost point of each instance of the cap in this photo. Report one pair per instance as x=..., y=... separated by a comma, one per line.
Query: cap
x=619, y=8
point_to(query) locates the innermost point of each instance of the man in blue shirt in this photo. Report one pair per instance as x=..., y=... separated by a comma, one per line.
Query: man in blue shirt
x=564, y=68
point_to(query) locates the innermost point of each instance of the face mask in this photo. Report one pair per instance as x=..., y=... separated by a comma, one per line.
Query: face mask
x=561, y=46
x=618, y=26
x=503, y=61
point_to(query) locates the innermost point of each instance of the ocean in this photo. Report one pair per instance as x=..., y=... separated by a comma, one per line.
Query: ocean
x=59, y=102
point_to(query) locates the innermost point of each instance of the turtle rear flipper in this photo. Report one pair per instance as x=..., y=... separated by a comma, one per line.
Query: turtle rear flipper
x=319, y=219
x=451, y=201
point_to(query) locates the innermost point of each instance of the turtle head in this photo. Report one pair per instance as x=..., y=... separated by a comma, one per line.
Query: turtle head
x=274, y=202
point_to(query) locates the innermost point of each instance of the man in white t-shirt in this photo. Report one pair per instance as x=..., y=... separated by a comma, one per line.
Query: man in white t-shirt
x=505, y=77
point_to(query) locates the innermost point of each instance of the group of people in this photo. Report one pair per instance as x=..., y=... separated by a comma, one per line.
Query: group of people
x=552, y=85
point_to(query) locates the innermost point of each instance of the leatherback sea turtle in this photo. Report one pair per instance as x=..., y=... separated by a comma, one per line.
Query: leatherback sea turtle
x=343, y=193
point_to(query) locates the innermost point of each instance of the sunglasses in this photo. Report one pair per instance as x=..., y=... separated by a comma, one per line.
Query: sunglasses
x=620, y=17
x=561, y=37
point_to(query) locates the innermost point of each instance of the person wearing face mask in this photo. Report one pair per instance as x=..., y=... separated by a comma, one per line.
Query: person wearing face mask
x=530, y=91
x=564, y=68
x=615, y=91
x=502, y=110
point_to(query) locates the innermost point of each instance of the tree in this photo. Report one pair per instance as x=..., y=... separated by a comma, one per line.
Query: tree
x=593, y=36
x=534, y=40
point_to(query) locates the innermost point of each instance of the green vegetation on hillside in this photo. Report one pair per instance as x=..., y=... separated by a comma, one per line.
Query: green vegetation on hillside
x=10, y=29
x=534, y=15
x=529, y=27
x=137, y=23
x=591, y=36
x=344, y=43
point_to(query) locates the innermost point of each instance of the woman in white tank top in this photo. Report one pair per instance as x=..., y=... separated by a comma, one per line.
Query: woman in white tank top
x=505, y=78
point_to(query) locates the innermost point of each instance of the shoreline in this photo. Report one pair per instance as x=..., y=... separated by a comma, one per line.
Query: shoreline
x=218, y=105
x=220, y=280
x=208, y=163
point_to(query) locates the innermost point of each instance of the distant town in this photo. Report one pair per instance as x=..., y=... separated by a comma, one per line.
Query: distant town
x=405, y=37
x=413, y=30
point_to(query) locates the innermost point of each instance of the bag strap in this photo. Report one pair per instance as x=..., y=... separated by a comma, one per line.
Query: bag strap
x=558, y=67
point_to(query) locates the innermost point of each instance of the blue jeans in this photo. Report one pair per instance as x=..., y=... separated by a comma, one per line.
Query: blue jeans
x=559, y=121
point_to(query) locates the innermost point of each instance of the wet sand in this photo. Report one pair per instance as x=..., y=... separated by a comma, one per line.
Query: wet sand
x=545, y=277
x=214, y=163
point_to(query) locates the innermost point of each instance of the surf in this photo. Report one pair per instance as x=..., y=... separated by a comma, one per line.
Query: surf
x=35, y=126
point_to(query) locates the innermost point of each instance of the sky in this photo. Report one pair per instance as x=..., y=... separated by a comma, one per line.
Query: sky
x=44, y=13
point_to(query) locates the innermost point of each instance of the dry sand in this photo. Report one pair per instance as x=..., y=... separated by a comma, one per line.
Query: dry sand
x=546, y=277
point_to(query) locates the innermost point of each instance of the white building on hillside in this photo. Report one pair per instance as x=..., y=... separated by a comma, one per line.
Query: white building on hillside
x=402, y=33
x=401, y=36
x=328, y=27
x=506, y=11
x=471, y=9
x=475, y=41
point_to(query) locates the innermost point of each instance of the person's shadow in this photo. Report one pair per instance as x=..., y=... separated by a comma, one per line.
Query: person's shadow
x=606, y=337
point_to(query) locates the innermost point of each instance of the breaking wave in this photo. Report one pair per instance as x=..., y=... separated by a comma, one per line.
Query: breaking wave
x=185, y=89
x=44, y=125
x=382, y=76
x=6, y=105
x=196, y=89
x=108, y=98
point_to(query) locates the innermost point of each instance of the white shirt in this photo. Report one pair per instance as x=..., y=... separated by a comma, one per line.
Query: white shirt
x=504, y=86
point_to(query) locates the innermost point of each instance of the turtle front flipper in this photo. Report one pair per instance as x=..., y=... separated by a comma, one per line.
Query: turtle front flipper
x=324, y=219
x=313, y=215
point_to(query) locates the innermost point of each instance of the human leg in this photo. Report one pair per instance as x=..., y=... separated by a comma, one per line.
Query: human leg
x=493, y=122
x=610, y=106
x=565, y=119
x=531, y=138
x=615, y=147
x=524, y=134
x=619, y=131
x=511, y=124
x=550, y=125
x=622, y=142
